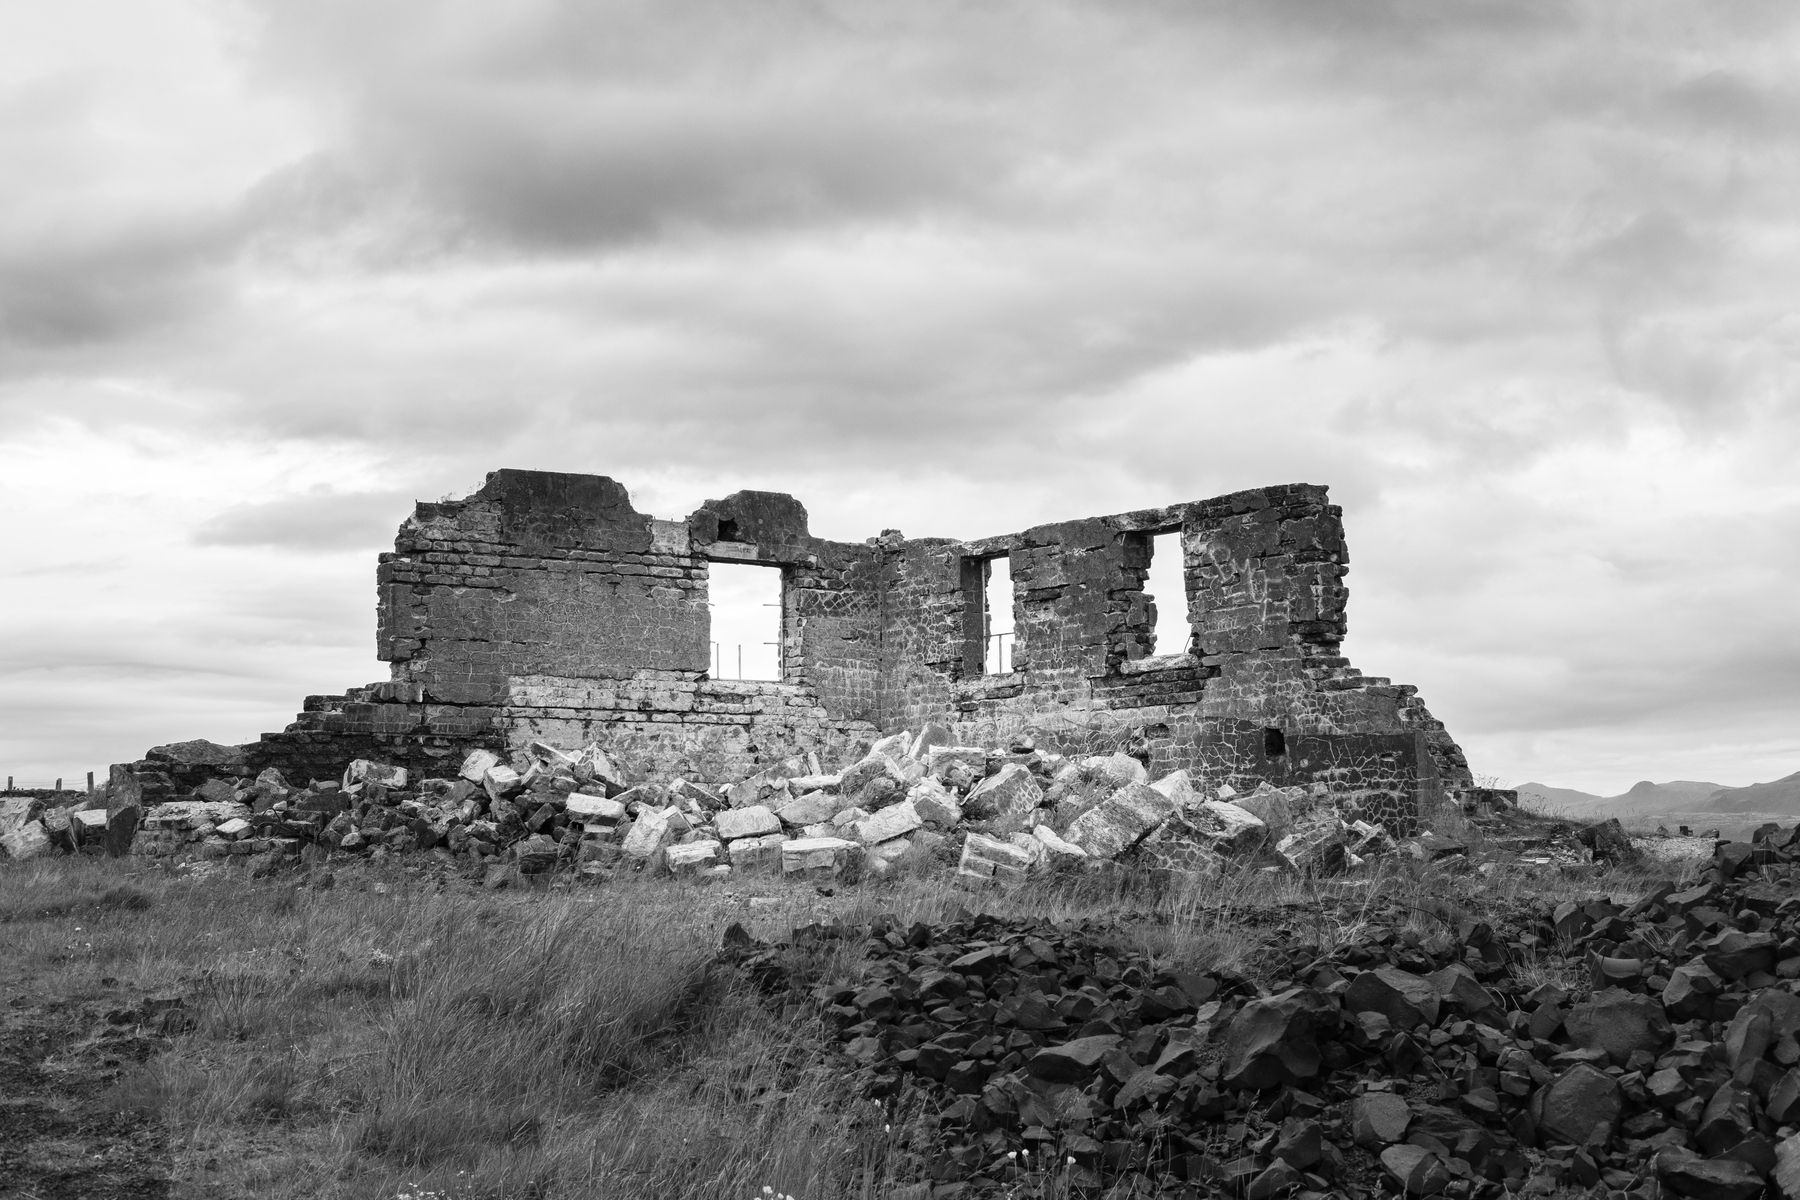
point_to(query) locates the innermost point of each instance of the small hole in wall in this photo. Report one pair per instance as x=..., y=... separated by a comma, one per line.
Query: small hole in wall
x=1274, y=743
x=728, y=531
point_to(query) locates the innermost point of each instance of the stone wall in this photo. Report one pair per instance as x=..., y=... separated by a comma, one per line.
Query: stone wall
x=1266, y=610
x=545, y=606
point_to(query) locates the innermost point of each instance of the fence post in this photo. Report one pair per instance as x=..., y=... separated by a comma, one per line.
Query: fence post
x=90, y=783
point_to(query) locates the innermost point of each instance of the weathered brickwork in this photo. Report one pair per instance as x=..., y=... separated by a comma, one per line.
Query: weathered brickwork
x=545, y=606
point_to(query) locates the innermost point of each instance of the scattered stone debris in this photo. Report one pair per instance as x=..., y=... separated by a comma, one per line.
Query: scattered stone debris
x=988, y=814
x=999, y=814
x=1055, y=1062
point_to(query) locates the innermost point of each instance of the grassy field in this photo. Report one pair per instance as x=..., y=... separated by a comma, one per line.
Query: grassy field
x=404, y=1034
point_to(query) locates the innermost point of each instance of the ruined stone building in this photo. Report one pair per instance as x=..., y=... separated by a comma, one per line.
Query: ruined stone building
x=544, y=606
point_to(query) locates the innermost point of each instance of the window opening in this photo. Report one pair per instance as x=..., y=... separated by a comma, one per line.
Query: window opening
x=1166, y=587
x=997, y=608
x=743, y=602
x=987, y=616
x=1274, y=743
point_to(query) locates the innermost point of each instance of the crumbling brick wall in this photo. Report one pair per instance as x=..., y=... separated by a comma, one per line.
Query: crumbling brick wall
x=546, y=606
x=1266, y=611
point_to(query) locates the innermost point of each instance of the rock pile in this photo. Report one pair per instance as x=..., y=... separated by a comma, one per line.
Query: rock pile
x=1667, y=1062
x=995, y=813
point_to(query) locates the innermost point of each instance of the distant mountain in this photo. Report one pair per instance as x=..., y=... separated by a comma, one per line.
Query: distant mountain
x=1778, y=796
x=1644, y=799
x=1555, y=799
x=1645, y=796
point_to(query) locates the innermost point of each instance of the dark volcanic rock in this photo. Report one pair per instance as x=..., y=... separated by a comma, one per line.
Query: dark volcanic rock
x=1275, y=1041
x=1618, y=1022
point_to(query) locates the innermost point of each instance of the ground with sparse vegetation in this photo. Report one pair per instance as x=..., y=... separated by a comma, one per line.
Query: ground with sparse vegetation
x=395, y=1031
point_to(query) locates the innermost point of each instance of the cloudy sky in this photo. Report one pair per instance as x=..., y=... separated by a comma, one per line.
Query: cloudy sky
x=1519, y=281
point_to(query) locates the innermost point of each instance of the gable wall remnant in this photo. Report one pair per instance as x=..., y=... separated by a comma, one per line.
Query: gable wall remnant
x=545, y=606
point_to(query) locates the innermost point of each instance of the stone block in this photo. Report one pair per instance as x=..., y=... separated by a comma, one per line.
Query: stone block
x=363, y=770
x=1120, y=821
x=811, y=809
x=1010, y=796
x=686, y=791
x=894, y=821
x=756, y=855
x=235, y=828
x=1178, y=786
x=882, y=856
x=940, y=760
x=652, y=831
x=802, y=784
x=26, y=842
x=1116, y=769
x=989, y=858
x=501, y=781
x=476, y=766
x=594, y=811
x=821, y=858
x=1055, y=848
x=936, y=805
x=690, y=858
x=1275, y=807
x=754, y=821
x=16, y=812
x=1230, y=829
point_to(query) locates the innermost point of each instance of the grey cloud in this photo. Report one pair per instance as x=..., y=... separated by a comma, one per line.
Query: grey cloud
x=325, y=521
x=109, y=284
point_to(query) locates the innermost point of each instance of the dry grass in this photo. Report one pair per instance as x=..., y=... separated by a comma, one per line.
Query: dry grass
x=397, y=1036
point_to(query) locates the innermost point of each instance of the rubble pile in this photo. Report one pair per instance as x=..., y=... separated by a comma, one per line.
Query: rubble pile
x=1423, y=1065
x=995, y=814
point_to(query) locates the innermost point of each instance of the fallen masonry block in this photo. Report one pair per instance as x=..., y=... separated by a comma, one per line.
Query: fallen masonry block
x=821, y=858
x=597, y=813
x=756, y=855
x=476, y=766
x=236, y=827
x=1117, y=769
x=1121, y=821
x=501, y=781
x=1010, y=796
x=690, y=858
x=813, y=808
x=684, y=791
x=362, y=770
x=1178, y=786
x=936, y=805
x=801, y=784
x=191, y=814
x=27, y=842
x=941, y=761
x=894, y=821
x=755, y=821
x=1272, y=807
x=1056, y=848
x=653, y=830
x=984, y=857
x=881, y=856
x=1231, y=829
x=18, y=812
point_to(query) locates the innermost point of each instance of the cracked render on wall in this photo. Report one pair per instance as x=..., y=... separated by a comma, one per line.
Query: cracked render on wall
x=544, y=606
